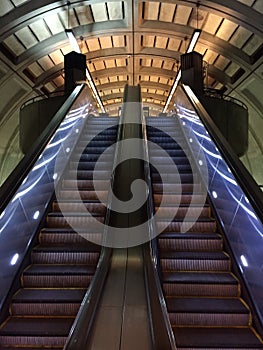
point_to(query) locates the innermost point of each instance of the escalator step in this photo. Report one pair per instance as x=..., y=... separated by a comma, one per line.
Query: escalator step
x=190, y=241
x=167, y=161
x=84, y=195
x=71, y=206
x=200, y=284
x=185, y=178
x=47, y=302
x=86, y=184
x=84, y=165
x=201, y=211
x=176, y=199
x=177, y=188
x=87, y=175
x=56, y=269
x=29, y=331
x=87, y=247
x=181, y=168
x=227, y=338
x=68, y=236
x=92, y=157
x=173, y=153
x=29, y=348
x=80, y=221
x=194, y=261
x=58, y=276
x=63, y=255
x=212, y=312
x=37, y=295
x=187, y=226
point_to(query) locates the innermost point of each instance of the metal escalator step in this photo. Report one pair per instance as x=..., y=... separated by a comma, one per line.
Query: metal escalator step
x=179, y=199
x=37, y=295
x=85, y=184
x=75, y=206
x=87, y=175
x=168, y=146
x=212, y=312
x=156, y=133
x=177, y=188
x=86, y=247
x=217, y=338
x=167, y=254
x=84, y=157
x=57, y=269
x=194, y=261
x=84, y=195
x=92, y=150
x=66, y=253
x=58, y=276
x=29, y=348
x=166, y=161
x=47, y=302
x=32, y=331
x=84, y=165
x=172, y=153
x=85, y=149
x=98, y=143
x=190, y=241
x=187, y=225
x=159, y=137
x=181, y=168
x=201, y=211
x=200, y=284
x=79, y=221
x=49, y=235
x=185, y=178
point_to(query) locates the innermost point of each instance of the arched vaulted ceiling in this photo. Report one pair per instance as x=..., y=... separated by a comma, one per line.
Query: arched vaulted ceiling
x=132, y=41
x=129, y=41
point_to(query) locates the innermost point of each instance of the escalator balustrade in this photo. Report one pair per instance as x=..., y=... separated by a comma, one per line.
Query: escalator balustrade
x=203, y=296
x=63, y=263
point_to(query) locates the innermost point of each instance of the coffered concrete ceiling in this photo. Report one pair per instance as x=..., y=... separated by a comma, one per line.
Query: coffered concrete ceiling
x=131, y=41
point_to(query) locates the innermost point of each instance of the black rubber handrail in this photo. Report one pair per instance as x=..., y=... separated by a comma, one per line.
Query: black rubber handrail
x=80, y=332
x=245, y=180
x=10, y=186
x=161, y=331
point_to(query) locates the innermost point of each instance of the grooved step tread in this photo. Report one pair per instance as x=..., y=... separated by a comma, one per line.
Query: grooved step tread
x=72, y=214
x=40, y=326
x=190, y=219
x=60, y=230
x=198, y=278
x=86, y=246
x=164, y=254
x=29, y=348
x=206, y=305
x=49, y=295
x=192, y=235
x=53, y=269
x=223, y=337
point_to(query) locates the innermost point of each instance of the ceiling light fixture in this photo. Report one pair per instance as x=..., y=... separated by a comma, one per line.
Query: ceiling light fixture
x=193, y=41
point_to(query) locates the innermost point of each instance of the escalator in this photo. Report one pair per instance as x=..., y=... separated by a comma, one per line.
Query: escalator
x=62, y=263
x=202, y=292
